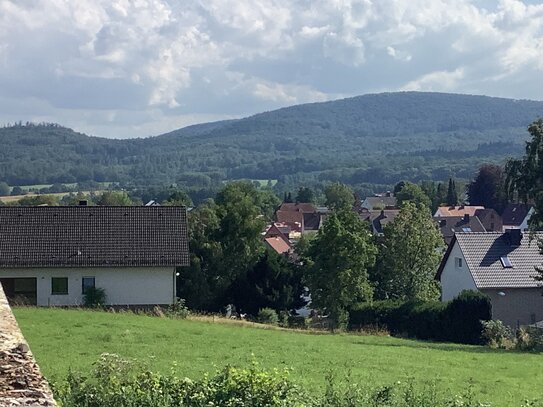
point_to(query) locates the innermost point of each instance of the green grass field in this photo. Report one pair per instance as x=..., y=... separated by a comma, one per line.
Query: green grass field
x=64, y=339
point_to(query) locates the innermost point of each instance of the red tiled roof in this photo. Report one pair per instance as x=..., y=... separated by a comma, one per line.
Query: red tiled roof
x=278, y=244
x=457, y=210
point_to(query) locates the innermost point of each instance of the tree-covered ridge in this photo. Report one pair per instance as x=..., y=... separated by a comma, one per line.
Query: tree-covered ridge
x=371, y=139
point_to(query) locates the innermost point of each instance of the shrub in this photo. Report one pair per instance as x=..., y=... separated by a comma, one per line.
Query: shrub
x=496, y=334
x=94, y=297
x=529, y=339
x=268, y=316
x=178, y=309
x=457, y=321
x=297, y=321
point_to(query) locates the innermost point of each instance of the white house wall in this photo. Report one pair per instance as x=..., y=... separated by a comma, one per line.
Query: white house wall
x=123, y=286
x=455, y=279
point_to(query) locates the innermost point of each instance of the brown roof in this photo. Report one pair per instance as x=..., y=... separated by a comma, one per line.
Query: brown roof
x=514, y=214
x=275, y=231
x=457, y=210
x=483, y=253
x=379, y=218
x=278, y=244
x=93, y=236
x=289, y=217
x=449, y=225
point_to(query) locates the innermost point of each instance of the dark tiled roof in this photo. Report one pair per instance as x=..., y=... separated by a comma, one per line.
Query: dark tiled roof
x=93, y=236
x=382, y=201
x=514, y=214
x=312, y=221
x=483, y=252
x=379, y=218
x=449, y=225
x=298, y=207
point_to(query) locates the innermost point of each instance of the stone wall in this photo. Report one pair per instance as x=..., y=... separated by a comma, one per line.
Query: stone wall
x=21, y=383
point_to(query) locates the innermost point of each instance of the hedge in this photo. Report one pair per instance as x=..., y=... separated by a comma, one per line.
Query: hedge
x=458, y=320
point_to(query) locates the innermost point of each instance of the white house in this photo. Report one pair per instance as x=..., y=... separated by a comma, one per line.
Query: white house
x=52, y=255
x=501, y=265
x=516, y=216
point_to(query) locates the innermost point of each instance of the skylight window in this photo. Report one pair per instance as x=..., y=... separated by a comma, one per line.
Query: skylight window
x=506, y=263
x=466, y=229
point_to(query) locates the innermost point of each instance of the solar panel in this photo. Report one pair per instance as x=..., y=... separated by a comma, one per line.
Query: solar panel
x=506, y=263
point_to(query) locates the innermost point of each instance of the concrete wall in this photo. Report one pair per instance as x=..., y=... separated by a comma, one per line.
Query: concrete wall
x=123, y=286
x=519, y=306
x=455, y=279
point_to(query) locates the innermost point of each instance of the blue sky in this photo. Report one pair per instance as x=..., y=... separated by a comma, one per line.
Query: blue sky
x=119, y=68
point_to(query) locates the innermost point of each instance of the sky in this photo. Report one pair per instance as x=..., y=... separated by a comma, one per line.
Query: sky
x=120, y=68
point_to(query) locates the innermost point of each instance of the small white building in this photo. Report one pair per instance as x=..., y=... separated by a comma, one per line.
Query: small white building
x=501, y=265
x=52, y=255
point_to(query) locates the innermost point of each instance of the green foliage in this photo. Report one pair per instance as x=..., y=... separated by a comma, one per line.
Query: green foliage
x=4, y=189
x=178, y=309
x=410, y=192
x=452, y=194
x=339, y=197
x=115, y=198
x=339, y=258
x=458, y=320
x=94, y=297
x=268, y=316
x=459, y=328
x=488, y=188
x=305, y=194
x=273, y=282
x=409, y=254
x=496, y=334
x=178, y=198
x=36, y=200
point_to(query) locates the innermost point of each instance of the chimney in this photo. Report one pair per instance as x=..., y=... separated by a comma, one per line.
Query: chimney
x=83, y=203
x=514, y=236
x=466, y=217
x=442, y=222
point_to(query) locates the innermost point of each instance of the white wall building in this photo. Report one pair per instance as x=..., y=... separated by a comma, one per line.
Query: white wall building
x=51, y=255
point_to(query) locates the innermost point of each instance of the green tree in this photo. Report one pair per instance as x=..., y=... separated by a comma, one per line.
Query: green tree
x=4, y=189
x=452, y=194
x=305, y=195
x=273, y=282
x=524, y=177
x=409, y=254
x=412, y=193
x=37, y=200
x=338, y=261
x=339, y=196
x=17, y=190
x=115, y=198
x=488, y=188
x=178, y=197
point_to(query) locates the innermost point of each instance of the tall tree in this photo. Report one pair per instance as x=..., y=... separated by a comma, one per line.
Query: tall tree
x=305, y=195
x=338, y=261
x=524, y=177
x=178, y=197
x=115, y=198
x=488, y=188
x=4, y=189
x=273, y=282
x=409, y=254
x=410, y=192
x=339, y=196
x=452, y=194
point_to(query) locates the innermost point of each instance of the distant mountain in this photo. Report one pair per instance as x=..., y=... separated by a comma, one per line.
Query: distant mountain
x=365, y=140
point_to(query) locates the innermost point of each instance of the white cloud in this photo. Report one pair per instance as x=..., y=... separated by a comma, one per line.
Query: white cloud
x=223, y=58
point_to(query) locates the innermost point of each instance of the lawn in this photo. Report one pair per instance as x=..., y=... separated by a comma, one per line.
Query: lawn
x=63, y=339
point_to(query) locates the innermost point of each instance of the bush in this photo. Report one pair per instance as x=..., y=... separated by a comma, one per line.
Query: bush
x=94, y=297
x=457, y=321
x=268, y=316
x=115, y=382
x=496, y=334
x=529, y=339
x=297, y=321
x=178, y=309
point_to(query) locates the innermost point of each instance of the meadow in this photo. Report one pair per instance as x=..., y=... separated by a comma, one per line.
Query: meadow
x=74, y=339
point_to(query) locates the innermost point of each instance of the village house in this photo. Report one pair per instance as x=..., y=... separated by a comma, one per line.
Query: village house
x=501, y=265
x=276, y=238
x=490, y=219
x=449, y=225
x=300, y=217
x=53, y=255
x=516, y=216
x=385, y=200
x=461, y=210
x=378, y=219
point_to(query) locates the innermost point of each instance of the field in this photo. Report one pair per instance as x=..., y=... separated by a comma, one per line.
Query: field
x=59, y=195
x=64, y=339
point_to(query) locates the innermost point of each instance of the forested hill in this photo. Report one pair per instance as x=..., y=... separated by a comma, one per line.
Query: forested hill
x=371, y=139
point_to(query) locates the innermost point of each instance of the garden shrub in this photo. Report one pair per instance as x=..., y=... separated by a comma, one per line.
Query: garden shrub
x=297, y=322
x=178, y=309
x=458, y=320
x=496, y=334
x=268, y=316
x=94, y=297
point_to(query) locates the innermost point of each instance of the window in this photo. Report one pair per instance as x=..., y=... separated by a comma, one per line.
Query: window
x=458, y=261
x=466, y=229
x=506, y=263
x=86, y=283
x=59, y=285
